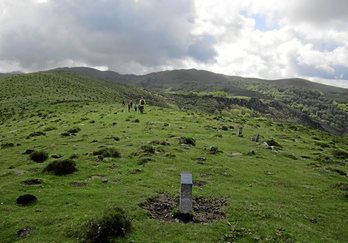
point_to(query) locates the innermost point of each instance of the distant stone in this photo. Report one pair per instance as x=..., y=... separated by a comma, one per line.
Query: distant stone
x=187, y=141
x=240, y=132
x=251, y=153
x=256, y=138
x=28, y=151
x=56, y=156
x=24, y=232
x=214, y=150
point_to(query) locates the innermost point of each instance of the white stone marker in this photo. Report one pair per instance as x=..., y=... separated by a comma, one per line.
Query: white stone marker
x=186, y=193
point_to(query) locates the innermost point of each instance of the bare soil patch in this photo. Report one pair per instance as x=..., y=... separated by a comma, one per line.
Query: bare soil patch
x=165, y=207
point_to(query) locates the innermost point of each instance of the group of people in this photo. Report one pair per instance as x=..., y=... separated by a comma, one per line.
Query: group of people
x=137, y=107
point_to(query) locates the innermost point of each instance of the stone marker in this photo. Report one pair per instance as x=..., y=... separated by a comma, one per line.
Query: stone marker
x=186, y=193
x=240, y=132
x=256, y=138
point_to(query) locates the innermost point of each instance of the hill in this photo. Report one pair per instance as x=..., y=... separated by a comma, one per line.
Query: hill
x=70, y=155
x=323, y=106
x=33, y=91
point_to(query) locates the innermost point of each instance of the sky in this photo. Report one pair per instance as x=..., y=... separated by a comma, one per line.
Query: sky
x=270, y=39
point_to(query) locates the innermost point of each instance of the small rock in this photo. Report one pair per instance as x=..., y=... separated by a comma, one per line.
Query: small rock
x=24, y=232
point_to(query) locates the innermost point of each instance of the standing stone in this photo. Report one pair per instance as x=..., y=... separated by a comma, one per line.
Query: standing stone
x=240, y=132
x=256, y=138
x=186, y=193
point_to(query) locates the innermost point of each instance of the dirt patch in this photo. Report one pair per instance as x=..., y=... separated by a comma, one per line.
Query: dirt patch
x=199, y=183
x=78, y=184
x=165, y=207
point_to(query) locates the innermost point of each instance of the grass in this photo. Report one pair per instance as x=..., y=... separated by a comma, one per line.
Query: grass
x=289, y=195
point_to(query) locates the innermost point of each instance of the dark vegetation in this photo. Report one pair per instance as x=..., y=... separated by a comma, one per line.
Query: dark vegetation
x=114, y=223
x=276, y=190
x=107, y=153
x=61, y=167
x=313, y=104
x=38, y=156
x=26, y=199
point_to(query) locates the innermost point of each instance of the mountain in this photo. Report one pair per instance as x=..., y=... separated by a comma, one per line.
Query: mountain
x=297, y=100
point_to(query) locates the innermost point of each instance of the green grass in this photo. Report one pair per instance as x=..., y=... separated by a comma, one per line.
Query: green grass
x=270, y=196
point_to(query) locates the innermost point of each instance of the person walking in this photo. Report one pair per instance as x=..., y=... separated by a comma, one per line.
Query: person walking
x=141, y=105
x=130, y=105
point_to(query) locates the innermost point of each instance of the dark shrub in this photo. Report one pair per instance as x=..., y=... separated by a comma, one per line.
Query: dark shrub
x=187, y=140
x=224, y=128
x=28, y=151
x=74, y=130
x=26, y=199
x=38, y=156
x=136, y=120
x=71, y=132
x=272, y=142
x=7, y=145
x=114, y=223
x=148, y=149
x=107, y=153
x=61, y=167
x=74, y=156
x=214, y=150
x=36, y=134
x=32, y=182
x=340, y=154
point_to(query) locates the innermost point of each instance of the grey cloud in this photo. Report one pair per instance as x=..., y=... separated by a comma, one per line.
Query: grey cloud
x=202, y=49
x=323, y=12
x=112, y=33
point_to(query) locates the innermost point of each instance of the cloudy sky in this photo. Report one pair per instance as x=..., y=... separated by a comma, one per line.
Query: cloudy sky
x=269, y=39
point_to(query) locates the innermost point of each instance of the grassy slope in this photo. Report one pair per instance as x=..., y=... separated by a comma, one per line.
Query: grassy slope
x=270, y=196
x=266, y=193
x=24, y=92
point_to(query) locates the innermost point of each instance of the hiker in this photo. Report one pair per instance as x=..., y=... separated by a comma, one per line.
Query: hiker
x=130, y=105
x=141, y=105
x=135, y=107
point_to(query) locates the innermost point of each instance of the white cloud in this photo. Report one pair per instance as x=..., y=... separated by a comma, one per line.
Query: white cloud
x=261, y=38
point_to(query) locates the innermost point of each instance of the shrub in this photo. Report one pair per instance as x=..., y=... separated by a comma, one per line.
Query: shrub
x=26, y=199
x=148, y=149
x=107, y=153
x=61, y=167
x=339, y=154
x=36, y=134
x=7, y=145
x=38, y=156
x=114, y=223
x=74, y=130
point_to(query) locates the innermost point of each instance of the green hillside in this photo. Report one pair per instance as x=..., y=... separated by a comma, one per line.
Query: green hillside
x=294, y=189
x=20, y=93
x=319, y=104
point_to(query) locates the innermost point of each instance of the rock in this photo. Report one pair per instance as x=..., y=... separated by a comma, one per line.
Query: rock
x=251, y=153
x=24, y=232
x=28, y=151
x=214, y=150
x=56, y=156
x=187, y=141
